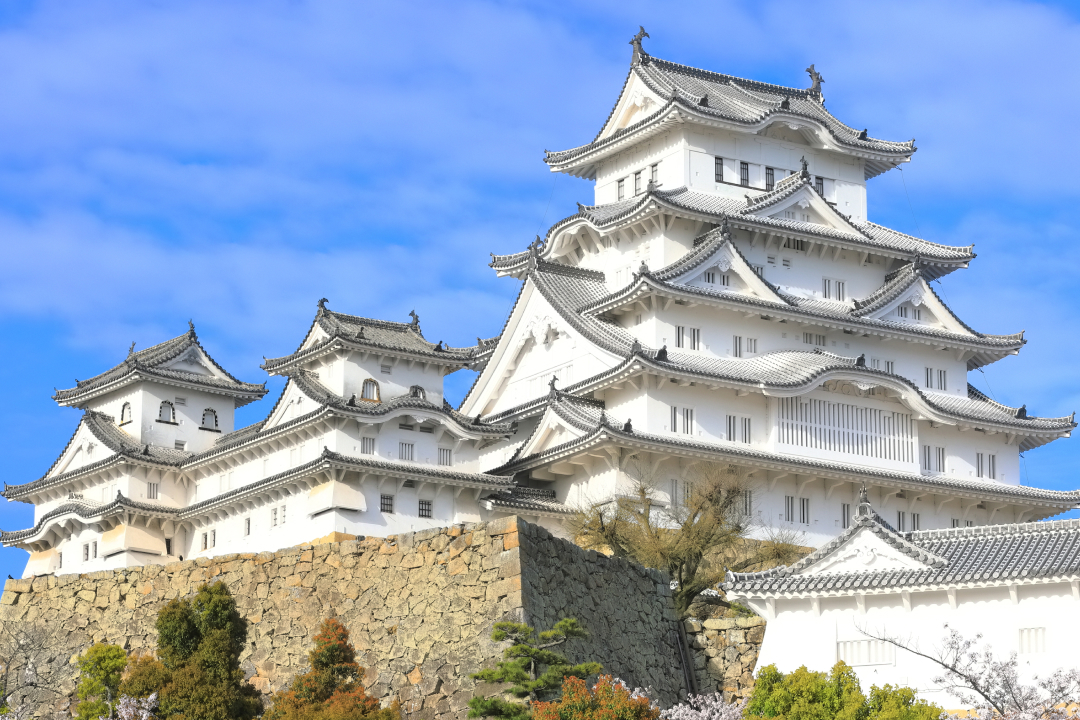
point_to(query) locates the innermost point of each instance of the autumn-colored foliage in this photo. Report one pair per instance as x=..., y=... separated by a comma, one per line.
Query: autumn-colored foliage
x=333, y=689
x=608, y=699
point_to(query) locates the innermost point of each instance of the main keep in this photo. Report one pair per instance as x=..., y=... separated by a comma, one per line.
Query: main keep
x=723, y=300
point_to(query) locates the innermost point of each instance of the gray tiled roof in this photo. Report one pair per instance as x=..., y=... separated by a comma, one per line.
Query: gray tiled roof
x=529, y=501
x=87, y=510
x=995, y=554
x=149, y=363
x=122, y=446
x=367, y=333
x=745, y=102
x=858, y=233
x=611, y=431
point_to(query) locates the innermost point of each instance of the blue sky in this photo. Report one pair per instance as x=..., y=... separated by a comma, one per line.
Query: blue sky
x=232, y=162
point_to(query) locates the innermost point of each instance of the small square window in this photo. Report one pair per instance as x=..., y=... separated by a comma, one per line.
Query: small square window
x=445, y=456
x=405, y=451
x=386, y=369
x=425, y=508
x=180, y=445
x=151, y=491
x=367, y=446
x=386, y=503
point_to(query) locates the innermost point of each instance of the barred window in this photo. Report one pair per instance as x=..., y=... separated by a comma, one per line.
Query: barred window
x=744, y=174
x=845, y=515
x=386, y=503
x=621, y=185
x=718, y=169
x=682, y=420
x=370, y=390
x=654, y=172
x=425, y=508
x=446, y=456
x=247, y=526
x=901, y=521
x=405, y=451
x=736, y=346
x=770, y=178
x=637, y=183
x=804, y=511
x=789, y=508
x=367, y=446
x=151, y=491
x=819, y=185
x=914, y=521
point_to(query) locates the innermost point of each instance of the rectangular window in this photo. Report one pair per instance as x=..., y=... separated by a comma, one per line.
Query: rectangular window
x=687, y=492
x=247, y=526
x=804, y=511
x=654, y=172
x=180, y=445
x=718, y=168
x=429, y=429
x=901, y=518
x=732, y=425
x=168, y=547
x=928, y=381
x=680, y=331
x=865, y=652
x=682, y=420
x=405, y=451
x=93, y=549
x=787, y=262
x=386, y=503
x=770, y=178
x=282, y=515
x=213, y=538
x=386, y=369
x=273, y=517
x=789, y=508
x=771, y=260
x=204, y=540
x=845, y=515
x=86, y=552
x=725, y=280
x=969, y=523
x=367, y=446
x=914, y=521
x=980, y=465
x=744, y=174
x=710, y=277
x=759, y=270
x=673, y=495
x=799, y=245
x=695, y=338
x=925, y=458
x=956, y=522
x=181, y=401
x=622, y=188
x=425, y=508
x=939, y=459
x=942, y=380
x=819, y=185
x=889, y=367
x=833, y=289
x=748, y=503
x=1032, y=640
x=406, y=426
x=151, y=491
x=637, y=183
x=751, y=346
x=446, y=456
x=736, y=346
x=746, y=430
x=60, y=560
x=813, y=339
x=991, y=466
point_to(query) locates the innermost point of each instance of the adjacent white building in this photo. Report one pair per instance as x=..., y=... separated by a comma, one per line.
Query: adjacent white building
x=1016, y=585
x=725, y=299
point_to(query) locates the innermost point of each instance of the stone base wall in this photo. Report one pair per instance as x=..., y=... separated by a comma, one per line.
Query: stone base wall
x=420, y=608
x=725, y=653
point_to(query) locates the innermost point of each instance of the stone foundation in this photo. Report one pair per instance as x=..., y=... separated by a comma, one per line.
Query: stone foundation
x=419, y=607
x=725, y=653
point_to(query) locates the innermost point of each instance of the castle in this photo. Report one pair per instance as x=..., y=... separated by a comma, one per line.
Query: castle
x=725, y=299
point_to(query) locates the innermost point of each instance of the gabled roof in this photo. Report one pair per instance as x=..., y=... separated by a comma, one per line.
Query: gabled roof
x=366, y=334
x=937, y=259
x=87, y=510
x=527, y=501
x=123, y=447
x=153, y=363
x=716, y=99
x=987, y=555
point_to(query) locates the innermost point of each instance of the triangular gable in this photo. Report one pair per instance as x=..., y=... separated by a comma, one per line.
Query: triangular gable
x=85, y=448
x=865, y=551
x=802, y=204
x=920, y=296
x=636, y=102
x=726, y=259
x=293, y=403
x=195, y=360
x=551, y=431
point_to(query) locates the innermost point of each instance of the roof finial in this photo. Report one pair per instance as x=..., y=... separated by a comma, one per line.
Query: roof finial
x=415, y=319
x=191, y=328
x=725, y=230
x=864, y=500
x=652, y=186
x=322, y=304
x=628, y=427
x=643, y=269
x=131, y=349
x=805, y=172
x=636, y=42
x=863, y=135
x=1021, y=413
x=551, y=386
x=785, y=104
x=816, y=79
x=661, y=354
x=535, y=245
x=635, y=348
x=860, y=361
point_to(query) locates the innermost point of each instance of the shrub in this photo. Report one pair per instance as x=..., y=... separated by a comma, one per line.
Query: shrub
x=608, y=699
x=100, y=671
x=198, y=674
x=706, y=707
x=333, y=689
x=805, y=695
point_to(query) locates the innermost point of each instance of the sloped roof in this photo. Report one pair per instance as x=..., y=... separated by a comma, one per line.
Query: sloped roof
x=87, y=510
x=122, y=447
x=367, y=333
x=528, y=501
x=715, y=96
x=149, y=363
x=988, y=554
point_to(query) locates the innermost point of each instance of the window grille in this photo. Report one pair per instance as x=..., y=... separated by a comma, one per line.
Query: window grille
x=282, y=514
x=955, y=522
x=789, y=508
x=771, y=259
x=213, y=538
x=819, y=185
x=247, y=526
x=751, y=346
x=813, y=339
x=86, y=552
x=445, y=456
x=744, y=174
x=942, y=378
x=710, y=277
x=695, y=338
x=748, y=503
x=746, y=430
x=204, y=541
x=673, y=494
x=865, y=652
x=925, y=458
x=804, y=511
x=914, y=521
x=687, y=492
x=787, y=262
x=93, y=549
x=1032, y=640
x=654, y=172
x=151, y=491
x=181, y=401
x=680, y=332
x=725, y=280
x=718, y=169
x=386, y=369
x=637, y=183
x=889, y=364
x=386, y=503
x=732, y=425
x=901, y=517
x=405, y=451
x=622, y=188
x=429, y=429
x=792, y=244
x=682, y=420
x=406, y=426
x=209, y=419
x=273, y=517
x=737, y=346
x=833, y=289
x=425, y=508
x=370, y=391
x=969, y=523
x=845, y=515
x=759, y=270
x=60, y=560
x=846, y=428
x=179, y=445
x=367, y=446
x=770, y=178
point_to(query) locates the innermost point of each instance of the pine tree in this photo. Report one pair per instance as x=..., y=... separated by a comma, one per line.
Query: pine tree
x=100, y=671
x=523, y=660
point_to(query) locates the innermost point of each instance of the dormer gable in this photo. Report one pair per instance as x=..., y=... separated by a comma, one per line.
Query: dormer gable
x=718, y=265
x=795, y=199
x=636, y=102
x=907, y=298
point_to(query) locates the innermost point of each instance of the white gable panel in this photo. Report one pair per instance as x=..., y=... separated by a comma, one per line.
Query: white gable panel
x=865, y=551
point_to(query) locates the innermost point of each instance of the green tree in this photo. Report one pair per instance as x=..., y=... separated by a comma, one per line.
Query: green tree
x=522, y=663
x=806, y=695
x=333, y=689
x=100, y=671
x=197, y=675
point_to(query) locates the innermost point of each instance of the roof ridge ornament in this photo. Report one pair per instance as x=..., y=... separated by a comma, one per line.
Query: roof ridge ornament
x=628, y=427
x=322, y=305
x=635, y=348
x=725, y=230
x=639, y=53
x=661, y=354
x=652, y=186
x=552, y=392
x=191, y=328
x=816, y=79
x=131, y=349
x=804, y=173
x=415, y=324
x=864, y=509
x=785, y=104
x=1021, y=412
x=863, y=135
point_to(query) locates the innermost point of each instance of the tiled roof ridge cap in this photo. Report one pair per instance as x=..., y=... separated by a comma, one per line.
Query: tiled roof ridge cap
x=915, y=237
x=801, y=93
x=1033, y=526
x=386, y=324
x=91, y=510
x=976, y=394
x=545, y=266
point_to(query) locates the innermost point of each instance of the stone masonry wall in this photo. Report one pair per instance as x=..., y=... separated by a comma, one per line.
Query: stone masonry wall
x=419, y=607
x=725, y=653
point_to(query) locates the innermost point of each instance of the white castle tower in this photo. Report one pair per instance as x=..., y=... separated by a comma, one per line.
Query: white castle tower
x=724, y=300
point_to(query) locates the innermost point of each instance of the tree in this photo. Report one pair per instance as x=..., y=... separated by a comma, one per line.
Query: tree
x=977, y=678
x=522, y=663
x=706, y=707
x=608, y=698
x=806, y=695
x=696, y=541
x=24, y=666
x=100, y=672
x=333, y=689
x=197, y=675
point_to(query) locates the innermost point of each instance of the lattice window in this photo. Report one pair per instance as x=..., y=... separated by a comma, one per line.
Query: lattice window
x=718, y=169
x=370, y=391
x=446, y=456
x=425, y=508
x=846, y=428
x=865, y=652
x=770, y=178
x=386, y=503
